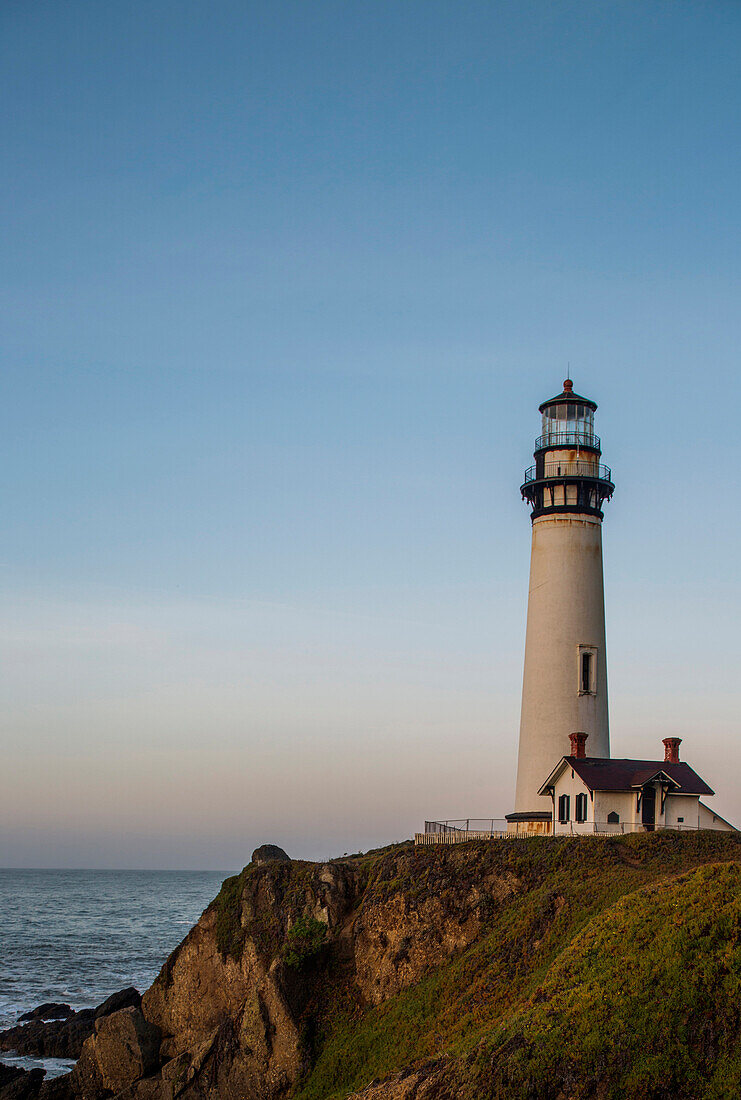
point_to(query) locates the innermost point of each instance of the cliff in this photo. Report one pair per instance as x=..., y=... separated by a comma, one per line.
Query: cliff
x=543, y=969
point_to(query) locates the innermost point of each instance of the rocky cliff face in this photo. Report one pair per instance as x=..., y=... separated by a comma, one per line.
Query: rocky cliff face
x=529, y=968
x=240, y=1008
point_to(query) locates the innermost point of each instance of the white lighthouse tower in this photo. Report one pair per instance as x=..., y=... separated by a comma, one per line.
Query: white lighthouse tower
x=564, y=689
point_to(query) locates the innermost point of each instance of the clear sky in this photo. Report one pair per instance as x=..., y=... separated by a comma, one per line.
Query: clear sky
x=283, y=284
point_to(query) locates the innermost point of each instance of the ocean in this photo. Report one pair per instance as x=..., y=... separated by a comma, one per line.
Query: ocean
x=78, y=936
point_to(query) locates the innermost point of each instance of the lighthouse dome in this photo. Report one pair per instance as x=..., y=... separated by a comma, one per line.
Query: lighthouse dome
x=568, y=395
x=568, y=420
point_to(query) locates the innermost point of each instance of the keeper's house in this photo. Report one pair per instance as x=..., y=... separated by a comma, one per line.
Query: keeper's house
x=603, y=795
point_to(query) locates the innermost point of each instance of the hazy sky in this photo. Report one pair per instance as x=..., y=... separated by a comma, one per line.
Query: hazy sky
x=283, y=285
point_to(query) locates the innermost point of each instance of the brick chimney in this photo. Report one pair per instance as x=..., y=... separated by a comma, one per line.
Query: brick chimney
x=671, y=749
x=578, y=742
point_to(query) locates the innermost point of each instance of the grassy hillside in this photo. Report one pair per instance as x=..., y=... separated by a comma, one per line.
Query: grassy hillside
x=613, y=971
x=646, y=1000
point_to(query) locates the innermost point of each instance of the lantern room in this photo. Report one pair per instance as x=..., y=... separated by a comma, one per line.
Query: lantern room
x=568, y=421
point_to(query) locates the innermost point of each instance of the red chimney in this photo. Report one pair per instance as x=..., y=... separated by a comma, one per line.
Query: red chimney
x=578, y=741
x=671, y=749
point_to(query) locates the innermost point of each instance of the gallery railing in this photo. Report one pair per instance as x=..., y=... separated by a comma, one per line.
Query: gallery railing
x=567, y=439
x=569, y=469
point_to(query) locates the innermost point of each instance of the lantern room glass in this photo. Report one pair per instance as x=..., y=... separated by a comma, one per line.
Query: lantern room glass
x=568, y=423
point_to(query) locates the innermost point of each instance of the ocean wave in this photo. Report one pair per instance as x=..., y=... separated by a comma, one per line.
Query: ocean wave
x=99, y=932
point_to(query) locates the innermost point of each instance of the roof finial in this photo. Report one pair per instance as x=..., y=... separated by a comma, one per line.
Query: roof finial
x=568, y=386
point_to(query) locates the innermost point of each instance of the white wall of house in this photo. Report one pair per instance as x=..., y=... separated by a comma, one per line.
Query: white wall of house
x=711, y=820
x=682, y=811
x=623, y=803
x=570, y=784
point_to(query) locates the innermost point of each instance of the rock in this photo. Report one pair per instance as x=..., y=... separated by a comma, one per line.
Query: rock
x=399, y=937
x=86, y=1080
x=229, y=1000
x=124, y=1048
x=49, y=1011
x=44, y=1037
x=267, y=852
x=58, y=1088
x=126, y=998
x=49, y=1039
x=20, y=1084
x=427, y=1082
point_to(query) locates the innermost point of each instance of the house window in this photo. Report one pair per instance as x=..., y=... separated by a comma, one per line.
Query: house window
x=613, y=818
x=564, y=809
x=680, y=819
x=581, y=807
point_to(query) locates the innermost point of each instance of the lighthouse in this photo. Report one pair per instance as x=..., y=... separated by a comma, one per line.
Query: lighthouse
x=564, y=687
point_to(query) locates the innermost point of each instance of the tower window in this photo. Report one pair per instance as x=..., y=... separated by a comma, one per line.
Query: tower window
x=613, y=818
x=586, y=672
x=581, y=807
x=564, y=809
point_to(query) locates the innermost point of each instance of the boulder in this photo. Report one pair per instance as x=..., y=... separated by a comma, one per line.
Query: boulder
x=123, y=1048
x=267, y=852
x=49, y=1038
x=58, y=1088
x=46, y=1036
x=126, y=998
x=20, y=1084
x=52, y=1010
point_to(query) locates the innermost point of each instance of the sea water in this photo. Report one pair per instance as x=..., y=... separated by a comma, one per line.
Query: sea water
x=78, y=936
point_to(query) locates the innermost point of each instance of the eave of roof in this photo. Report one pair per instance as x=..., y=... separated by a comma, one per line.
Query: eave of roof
x=603, y=774
x=566, y=397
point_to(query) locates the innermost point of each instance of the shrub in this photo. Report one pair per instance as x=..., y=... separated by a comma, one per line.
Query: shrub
x=229, y=931
x=303, y=942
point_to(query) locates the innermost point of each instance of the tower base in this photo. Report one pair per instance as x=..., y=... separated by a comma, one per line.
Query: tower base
x=532, y=823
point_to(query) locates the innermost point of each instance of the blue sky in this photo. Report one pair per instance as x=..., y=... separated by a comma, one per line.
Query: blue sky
x=283, y=287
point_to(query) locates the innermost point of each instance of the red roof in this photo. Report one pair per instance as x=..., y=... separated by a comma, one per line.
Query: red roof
x=625, y=775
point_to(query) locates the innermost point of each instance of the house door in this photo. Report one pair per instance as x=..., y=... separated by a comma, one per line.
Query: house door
x=648, y=808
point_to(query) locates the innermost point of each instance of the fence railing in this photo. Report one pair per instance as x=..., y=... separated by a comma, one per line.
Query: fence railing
x=617, y=828
x=459, y=830
x=565, y=439
x=582, y=468
x=486, y=825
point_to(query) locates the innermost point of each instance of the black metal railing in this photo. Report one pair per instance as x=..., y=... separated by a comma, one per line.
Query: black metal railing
x=467, y=825
x=566, y=439
x=569, y=469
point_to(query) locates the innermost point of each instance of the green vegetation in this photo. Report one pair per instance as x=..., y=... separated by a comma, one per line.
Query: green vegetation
x=230, y=935
x=611, y=972
x=262, y=902
x=304, y=941
x=647, y=998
